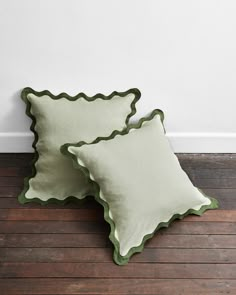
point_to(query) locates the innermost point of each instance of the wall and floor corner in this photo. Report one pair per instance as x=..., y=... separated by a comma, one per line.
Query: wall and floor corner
x=181, y=54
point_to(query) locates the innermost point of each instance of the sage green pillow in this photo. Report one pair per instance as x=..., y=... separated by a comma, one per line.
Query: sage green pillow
x=139, y=182
x=62, y=118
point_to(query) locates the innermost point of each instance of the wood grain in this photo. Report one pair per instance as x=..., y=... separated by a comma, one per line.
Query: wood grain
x=45, y=214
x=12, y=203
x=58, y=226
x=110, y=270
x=101, y=255
x=66, y=250
x=51, y=214
x=118, y=286
x=208, y=161
x=101, y=240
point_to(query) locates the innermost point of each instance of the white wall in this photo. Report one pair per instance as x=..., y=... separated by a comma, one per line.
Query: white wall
x=180, y=54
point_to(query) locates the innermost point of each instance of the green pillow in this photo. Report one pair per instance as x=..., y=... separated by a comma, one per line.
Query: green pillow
x=62, y=118
x=139, y=182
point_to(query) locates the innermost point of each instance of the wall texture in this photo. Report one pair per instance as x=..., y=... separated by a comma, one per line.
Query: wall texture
x=180, y=54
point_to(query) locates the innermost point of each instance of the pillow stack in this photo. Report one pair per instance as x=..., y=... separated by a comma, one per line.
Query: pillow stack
x=130, y=169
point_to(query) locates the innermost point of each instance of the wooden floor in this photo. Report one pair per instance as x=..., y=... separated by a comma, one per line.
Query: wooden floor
x=66, y=250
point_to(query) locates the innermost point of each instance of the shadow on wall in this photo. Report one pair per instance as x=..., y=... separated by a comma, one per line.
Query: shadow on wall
x=15, y=119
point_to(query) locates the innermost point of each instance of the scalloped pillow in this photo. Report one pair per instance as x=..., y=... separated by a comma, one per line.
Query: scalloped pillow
x=62, y=118
x=139, y=181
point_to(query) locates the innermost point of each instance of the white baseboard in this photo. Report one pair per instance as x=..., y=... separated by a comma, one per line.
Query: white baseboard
x=203, y=142
x=20, y=142
x=16, y=142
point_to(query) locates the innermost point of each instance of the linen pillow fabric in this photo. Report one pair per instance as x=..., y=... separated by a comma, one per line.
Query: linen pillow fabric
x=62, y=118
x=139, y=182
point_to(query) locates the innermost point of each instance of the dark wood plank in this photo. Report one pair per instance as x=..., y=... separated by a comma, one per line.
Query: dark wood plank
x=111, y=270
x=12, y=203
x=12, y=156
x=51, y=214
x=149, y=255
x=11, y=181
x=101, y=240
x=226, y=197
x=205, y=173
x=14, y=171
x=221, y=193
x=56, y=227
x=63, y=227
x=56, y=255
x=196, y=228
x=15, y=160
x=55, y=240
x=214, y=215
x=208, y=161
x=118, y=286
x=204, y=183
x=10, y=191
x=97, y=214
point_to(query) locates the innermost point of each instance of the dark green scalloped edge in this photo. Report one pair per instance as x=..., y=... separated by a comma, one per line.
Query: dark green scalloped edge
x=119, y=259
x=21, y=198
